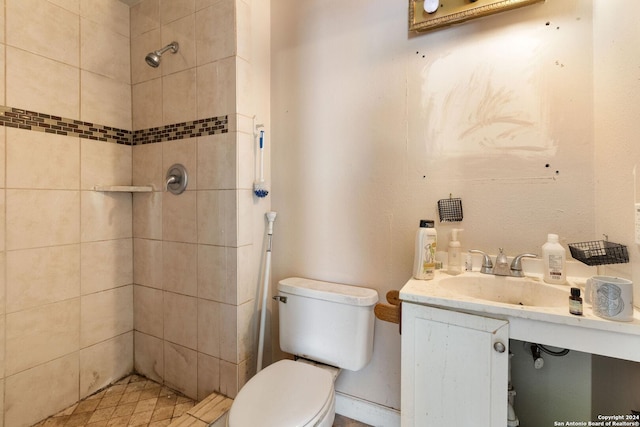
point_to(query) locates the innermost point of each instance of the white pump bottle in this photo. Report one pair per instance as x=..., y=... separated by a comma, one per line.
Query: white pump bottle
x=454, y=264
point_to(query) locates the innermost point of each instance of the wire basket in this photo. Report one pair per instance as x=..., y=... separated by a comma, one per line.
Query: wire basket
x=599, y=252
x=450, y=210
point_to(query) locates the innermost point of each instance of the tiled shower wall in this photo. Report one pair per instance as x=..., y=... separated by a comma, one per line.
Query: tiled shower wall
x=193, y=305
x=66, y=326
x=91, y=281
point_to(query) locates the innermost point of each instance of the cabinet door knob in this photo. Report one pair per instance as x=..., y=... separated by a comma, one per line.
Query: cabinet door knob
x=499, y=347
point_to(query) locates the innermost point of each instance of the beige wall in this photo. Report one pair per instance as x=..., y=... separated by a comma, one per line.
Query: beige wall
x=374, y=125
x=67, y=294
x=616, y=158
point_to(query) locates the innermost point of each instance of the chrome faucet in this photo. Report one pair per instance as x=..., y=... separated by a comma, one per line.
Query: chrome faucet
x=516, y=264
x=502, y=267
x=487, y=265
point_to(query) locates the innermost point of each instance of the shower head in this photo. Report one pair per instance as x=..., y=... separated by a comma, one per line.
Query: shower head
x=153, y=58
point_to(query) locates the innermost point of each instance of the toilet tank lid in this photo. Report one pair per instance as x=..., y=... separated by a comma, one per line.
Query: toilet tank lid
x=336, y=292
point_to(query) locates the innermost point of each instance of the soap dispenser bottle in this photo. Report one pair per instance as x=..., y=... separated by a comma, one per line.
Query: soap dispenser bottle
x=454, y=263
x=555, y=258
x=424, y=263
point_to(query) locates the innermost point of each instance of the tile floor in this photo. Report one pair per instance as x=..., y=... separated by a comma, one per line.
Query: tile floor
x=132, y=401
x=137, y=401
x=341, y=421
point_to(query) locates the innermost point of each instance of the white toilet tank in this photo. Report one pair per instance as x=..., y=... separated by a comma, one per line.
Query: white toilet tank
x=327, y=322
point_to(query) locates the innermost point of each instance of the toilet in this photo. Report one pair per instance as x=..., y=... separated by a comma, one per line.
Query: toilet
x=328, y=327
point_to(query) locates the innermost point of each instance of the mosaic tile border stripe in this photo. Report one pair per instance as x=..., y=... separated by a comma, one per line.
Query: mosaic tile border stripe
x=31, y=120
x=41, y=122
x=208, y=126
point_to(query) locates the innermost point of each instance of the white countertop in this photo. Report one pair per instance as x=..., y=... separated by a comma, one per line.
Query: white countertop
x=544, y=325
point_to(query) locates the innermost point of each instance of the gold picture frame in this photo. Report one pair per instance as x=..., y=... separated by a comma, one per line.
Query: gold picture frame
x=452, y=12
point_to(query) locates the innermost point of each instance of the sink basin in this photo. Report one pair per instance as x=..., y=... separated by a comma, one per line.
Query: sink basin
x=507, y=290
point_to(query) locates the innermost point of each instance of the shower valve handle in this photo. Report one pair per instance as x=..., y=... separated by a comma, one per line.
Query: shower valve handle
x=176, y=179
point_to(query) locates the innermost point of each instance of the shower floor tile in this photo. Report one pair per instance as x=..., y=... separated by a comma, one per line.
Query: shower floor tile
x=138, y=401
x=132, y=401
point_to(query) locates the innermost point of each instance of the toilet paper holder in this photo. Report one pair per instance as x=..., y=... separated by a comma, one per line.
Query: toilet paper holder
x=391, y=312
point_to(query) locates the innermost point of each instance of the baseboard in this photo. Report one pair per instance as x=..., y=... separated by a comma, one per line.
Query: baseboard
x=366, y=412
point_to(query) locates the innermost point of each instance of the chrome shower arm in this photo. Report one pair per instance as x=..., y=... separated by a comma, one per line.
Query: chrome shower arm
x=174, y=46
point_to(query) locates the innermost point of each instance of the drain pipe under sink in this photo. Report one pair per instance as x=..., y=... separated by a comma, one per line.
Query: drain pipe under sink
x=512, y=419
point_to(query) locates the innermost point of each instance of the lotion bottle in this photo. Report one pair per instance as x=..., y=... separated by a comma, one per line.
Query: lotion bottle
x=454, y=257
x=555, y=258
x=424, y=262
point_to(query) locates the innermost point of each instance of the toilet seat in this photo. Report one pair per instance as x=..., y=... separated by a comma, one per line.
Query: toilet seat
x=285, y=394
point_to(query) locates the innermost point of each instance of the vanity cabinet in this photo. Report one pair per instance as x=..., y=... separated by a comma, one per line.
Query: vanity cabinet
x=451, y=373
x=454, y=368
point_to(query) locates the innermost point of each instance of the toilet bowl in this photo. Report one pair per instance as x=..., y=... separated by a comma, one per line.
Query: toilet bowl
x=328, y=323
x=286, y=393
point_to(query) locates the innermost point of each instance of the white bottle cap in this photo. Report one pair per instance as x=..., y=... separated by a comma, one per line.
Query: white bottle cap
x=553, y=238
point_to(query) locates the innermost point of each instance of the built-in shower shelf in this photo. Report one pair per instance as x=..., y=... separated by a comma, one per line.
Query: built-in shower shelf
x=124, y=188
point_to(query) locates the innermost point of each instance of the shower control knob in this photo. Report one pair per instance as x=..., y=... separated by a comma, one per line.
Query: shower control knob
x=176, y=179
x=499, y=347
